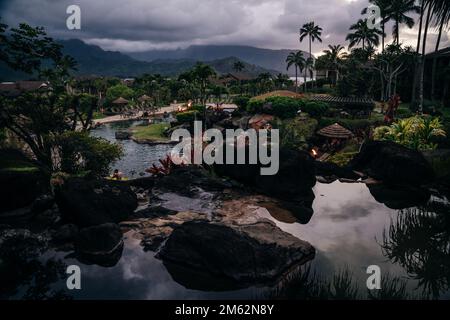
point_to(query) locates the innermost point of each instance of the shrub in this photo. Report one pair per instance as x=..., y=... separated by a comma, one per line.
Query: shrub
x=417, y=132
x=315, y=109
x=295, y=133
x=282, y=107
x=188, y=116
x=198, y=108
x=241, y=101
x=81, y=153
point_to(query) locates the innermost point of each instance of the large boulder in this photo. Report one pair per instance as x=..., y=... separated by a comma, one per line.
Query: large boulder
x=249, y=253
x=93, y=202
x=295, y=176
x=393, y=163
x=100, y=244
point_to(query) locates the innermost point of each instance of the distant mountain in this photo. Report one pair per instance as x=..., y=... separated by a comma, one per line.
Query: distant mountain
x=266, y=58
x=93, y=60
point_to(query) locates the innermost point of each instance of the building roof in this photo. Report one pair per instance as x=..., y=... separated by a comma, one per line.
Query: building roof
x=144, y=98
x=120, y=100
x=13, y=89
x=335, y=131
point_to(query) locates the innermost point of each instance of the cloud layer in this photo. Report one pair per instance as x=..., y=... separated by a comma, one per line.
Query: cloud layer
x=139, y=25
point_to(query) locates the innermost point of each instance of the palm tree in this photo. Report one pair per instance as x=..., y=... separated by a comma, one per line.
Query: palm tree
x=363, y=34
x=422, y=64
x=313, y=32
x=334, y=58
x=238, y=66
x=398, y=12
x=297, y=60
x=202, y=73
x=309, y=65
x=384, y=15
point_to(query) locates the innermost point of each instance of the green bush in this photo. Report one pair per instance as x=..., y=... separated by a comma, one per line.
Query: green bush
x=198, y=108
x=315, y=109
x=241, y=101
x=81, y=153
x=282, y=107
x=295, y=133
x=188, y=116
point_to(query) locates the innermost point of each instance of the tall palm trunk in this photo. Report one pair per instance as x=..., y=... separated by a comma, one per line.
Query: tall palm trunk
x=433, y=72
x=310, y=56
x=416, y=65
x=422, y=67
x=397, y=31
x=296, y=82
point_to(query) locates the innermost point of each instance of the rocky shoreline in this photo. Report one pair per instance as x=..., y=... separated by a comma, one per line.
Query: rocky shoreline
x=210, y=226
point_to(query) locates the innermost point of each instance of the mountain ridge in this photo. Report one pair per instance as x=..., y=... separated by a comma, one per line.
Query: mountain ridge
x=274, y=59
x=93, y=60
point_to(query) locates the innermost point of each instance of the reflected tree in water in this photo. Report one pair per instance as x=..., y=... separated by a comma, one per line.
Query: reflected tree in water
x=419, y=240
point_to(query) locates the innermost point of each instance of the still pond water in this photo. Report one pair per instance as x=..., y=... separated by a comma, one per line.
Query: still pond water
x=349, y=229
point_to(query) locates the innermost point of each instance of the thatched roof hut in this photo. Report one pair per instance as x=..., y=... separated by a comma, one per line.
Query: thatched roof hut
x=120, y=101
x=144, y=98
x=335, y=131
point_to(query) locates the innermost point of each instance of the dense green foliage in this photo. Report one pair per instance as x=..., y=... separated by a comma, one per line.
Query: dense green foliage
x=188, y=116
x=82, y=153
x=418, y=133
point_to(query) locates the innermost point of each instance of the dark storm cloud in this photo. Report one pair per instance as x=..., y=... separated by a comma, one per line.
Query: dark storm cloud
x=138, y=25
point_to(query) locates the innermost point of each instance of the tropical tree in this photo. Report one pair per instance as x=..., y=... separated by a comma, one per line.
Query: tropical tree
x=238, y=66
x=47, y=120
x=313, y=32
x=297, y=60
x=399, y=11
x=202, y=74
x=333, y=58
x=363, y=34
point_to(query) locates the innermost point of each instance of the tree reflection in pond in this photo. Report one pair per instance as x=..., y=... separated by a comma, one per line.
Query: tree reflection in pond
x=419, y=240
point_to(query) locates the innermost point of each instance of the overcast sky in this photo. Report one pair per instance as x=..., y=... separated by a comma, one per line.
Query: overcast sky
x=140, y=25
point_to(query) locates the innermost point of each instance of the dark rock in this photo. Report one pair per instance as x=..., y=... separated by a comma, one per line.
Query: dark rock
x=122, y=135
x=93, y=202
x=184, y=179
x=100, y=244
x=42, y=203
x=393, y=163
x=67, y=232
x=399, y=197
x=295, y=177
x=249, y=253
x=20, y=188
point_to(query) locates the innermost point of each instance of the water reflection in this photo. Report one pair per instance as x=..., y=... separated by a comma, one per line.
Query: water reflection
x=419, y=240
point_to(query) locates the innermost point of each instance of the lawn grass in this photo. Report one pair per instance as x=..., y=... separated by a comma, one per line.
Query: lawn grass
x=98, y=115
x=151, y=132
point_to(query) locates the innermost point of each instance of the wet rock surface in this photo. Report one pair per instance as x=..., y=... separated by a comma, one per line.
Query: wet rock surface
x=393, y=163
x=192, y=225
x=93, y=202
x=100, y=244
x=246, y=252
